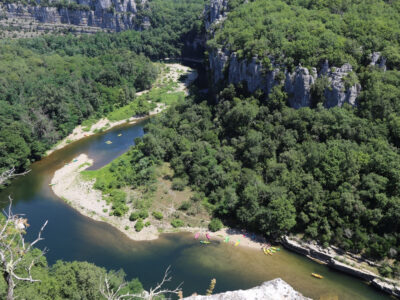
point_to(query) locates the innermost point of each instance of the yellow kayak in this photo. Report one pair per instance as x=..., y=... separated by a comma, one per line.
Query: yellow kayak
x=120, y=134
x=317, y=275
x=108, y=142
x=237, y=243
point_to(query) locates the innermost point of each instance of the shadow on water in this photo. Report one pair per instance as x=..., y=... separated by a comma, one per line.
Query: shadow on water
x=71, y=236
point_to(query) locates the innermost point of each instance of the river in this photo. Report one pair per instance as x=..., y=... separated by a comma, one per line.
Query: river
x=71, y=236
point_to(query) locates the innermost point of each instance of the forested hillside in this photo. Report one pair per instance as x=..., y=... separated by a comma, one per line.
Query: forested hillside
x=43, y=97
x=330, y=174
x=309, y=32
x=50, y=84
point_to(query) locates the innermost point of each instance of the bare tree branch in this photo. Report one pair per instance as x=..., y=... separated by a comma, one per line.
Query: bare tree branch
x=13, y=249
x=8, y=174
x=110, y=294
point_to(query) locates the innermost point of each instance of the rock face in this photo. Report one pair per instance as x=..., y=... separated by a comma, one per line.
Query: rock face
x=276, y=289
x=378, y=60
x=298, y=84
x=215, y=12
x=112, y=15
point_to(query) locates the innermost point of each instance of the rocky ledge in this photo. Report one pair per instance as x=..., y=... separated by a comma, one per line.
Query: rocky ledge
x=276, y=289
x=112, y=15
x=329, y=256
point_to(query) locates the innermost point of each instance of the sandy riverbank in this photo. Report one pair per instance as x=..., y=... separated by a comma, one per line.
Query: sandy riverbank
x=175, y=71
x=67, y=183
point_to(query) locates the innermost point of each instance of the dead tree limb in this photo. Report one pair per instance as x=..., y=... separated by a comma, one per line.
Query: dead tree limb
x=13, y=249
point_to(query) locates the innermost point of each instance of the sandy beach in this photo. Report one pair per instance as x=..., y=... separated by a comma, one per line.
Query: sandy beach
x=68, y=184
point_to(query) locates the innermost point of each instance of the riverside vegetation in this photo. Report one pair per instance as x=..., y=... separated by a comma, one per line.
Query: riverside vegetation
x=51, y=84
x=330, y=175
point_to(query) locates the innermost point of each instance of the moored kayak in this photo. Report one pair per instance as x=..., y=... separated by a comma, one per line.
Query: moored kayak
x=205, y=242
x=317, y=275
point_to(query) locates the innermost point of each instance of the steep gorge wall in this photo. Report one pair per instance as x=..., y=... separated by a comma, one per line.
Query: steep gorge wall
x=89, y=15
x=226, y=66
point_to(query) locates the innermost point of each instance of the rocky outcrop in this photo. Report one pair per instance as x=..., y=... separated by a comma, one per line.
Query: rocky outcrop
x=330, y=256
x=216, y=12
x=378, y=60
x=276, y=289
x=225, y=65
x=112, y=15
x=297, y=84
x=337, y=93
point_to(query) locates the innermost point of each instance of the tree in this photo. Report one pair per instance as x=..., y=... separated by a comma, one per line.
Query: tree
x=13, y=250
x=109, y=293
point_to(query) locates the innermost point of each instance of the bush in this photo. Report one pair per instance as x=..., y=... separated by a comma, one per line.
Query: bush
x=143, y=214
x=134, y=216
x=147, y=224
x=178, y=184
x=157, y=215
x=185, y=205
x=139, y=225
x=177, y=223
x=215, y=225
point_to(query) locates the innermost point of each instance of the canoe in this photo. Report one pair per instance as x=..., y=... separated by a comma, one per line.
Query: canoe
x=317, y=275
x=205, y=242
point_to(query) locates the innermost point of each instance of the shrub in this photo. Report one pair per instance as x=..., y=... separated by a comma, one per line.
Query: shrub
x=185, y=205
x=147, y=224
x=157, y=215
x=143, y=214
x=178, y=184
x=134, y=216
x=177, y=223
x=215, y=225
x=139, y=225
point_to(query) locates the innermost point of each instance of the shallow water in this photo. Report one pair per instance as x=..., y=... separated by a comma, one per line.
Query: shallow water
x=71, y=236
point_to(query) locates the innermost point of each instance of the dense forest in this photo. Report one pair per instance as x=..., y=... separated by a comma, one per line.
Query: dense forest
x=43, y=97
x=332, y=175
x=48, y=85
x=289, y=32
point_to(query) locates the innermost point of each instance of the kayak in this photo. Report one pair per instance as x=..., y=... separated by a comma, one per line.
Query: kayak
x=237, y=243
x=205, y=242
x=120, y=134
x=266, y=252
x=317, y=275
x=108, y=142
x=226, y=239
x=52, y=184
x=207, y=236
x=75, y=160
x=196, y=236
